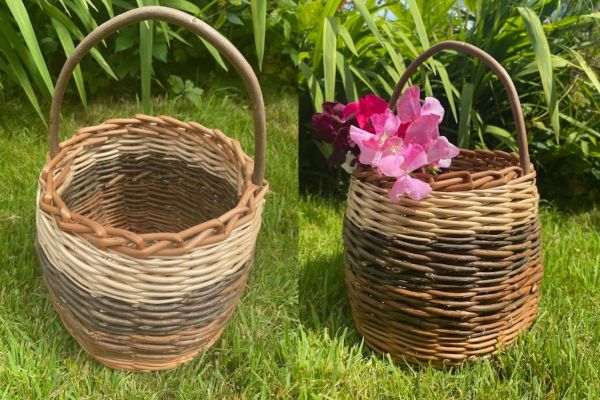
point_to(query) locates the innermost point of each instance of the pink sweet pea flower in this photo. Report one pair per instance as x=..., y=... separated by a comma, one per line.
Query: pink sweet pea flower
x=396, y=145
x=364, y=109
x=371, y=145
x=385, y=151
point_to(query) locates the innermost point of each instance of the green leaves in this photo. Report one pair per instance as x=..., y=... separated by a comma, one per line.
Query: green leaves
x=329, y=56
x=17, y=8
x=259, y=22
x=369, y=20
x=67, y=44
x=146, y=45
x=466, y=108
x=24, y=57
x=543, y=59
x=421, y=31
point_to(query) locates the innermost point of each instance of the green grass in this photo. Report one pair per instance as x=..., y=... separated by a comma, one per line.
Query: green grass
x=39, y=360
x=557, y=359
x=289, y=338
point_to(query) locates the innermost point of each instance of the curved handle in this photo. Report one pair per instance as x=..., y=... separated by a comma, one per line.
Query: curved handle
x=200, y=28
x=513, y=97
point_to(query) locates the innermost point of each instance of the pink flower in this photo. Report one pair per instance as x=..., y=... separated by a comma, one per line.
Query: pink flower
x=413, y=188
x=395, y=145
x=385, y=151
x=364, y=109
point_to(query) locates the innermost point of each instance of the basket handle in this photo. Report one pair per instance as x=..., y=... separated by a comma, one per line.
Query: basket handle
x=495, y=66
x=198, y=27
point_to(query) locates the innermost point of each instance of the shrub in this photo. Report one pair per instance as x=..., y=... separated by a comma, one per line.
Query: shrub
x=549, y=48
x=36, y=35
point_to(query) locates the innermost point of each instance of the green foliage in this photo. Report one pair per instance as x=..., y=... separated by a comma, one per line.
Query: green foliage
x=549, y=47
x=31, y=32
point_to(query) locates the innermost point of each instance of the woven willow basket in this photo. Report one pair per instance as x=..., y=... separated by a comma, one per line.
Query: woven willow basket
x=146, y=226
x=456, y=275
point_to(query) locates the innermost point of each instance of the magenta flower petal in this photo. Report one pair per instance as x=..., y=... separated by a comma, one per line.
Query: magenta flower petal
x=413, y=188
x=409, y=104
x=423, y=131
x=440, y=149
x=351, y=108
x=433, y=107
x=364, y=108
x=370, y=105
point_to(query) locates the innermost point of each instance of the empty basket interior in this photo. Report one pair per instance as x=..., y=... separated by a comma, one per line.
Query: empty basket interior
x=147, y=184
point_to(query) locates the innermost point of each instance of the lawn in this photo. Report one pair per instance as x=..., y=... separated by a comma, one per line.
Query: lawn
x=557, y=359
x=39, y=360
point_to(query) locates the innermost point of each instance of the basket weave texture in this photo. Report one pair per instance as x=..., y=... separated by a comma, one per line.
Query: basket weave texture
x=146, y=228
x=454, y=276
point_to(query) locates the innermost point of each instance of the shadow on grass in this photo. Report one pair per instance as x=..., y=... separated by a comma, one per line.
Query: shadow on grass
x=323, y=299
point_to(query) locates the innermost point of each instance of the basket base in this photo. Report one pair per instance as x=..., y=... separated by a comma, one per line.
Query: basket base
x=425, y=306
x=143, y=338
x=98, y=344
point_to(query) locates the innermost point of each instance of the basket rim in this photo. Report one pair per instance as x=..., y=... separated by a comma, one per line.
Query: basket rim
x=458, y=180
x=142, y=245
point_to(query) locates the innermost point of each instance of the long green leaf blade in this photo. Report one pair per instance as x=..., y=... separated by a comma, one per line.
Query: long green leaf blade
x=67, y=44
x=347, y=78
x=587, y=69
x=215, y=53
x=329, y=56
x=347, y=38
x=543, y=58
x=183, y=5
x=313, y=86
x=109, y=7
x=24, y=23
x=16, y=69
x=464, y=121
x=259, y=24
x=448, y=87
x=421, y=31
x=328, y=11
x=55, y=13
x=369, y=20
x=146, y=43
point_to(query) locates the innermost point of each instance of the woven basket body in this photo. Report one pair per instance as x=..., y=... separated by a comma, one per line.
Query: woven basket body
x=453, y=276
x=146, y=229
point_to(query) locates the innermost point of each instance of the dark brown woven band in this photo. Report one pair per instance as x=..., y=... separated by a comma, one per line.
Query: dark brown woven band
x=114, y=316
x=495, y=66
x=196, y=26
